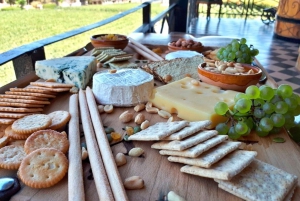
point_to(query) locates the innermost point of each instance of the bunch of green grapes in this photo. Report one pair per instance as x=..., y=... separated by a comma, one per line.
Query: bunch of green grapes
x=264, y=109
x=237, y=51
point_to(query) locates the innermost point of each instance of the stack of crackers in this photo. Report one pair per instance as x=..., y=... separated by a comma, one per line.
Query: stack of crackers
x=32, y=146
x=20, y=102
x=207, y=154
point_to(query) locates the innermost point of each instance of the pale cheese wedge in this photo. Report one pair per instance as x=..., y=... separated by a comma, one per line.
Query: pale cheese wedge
x=192, y=100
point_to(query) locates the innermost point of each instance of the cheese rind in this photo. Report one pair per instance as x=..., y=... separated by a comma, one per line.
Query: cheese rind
x=70, y=70
x=124, y=88
x=192, y=102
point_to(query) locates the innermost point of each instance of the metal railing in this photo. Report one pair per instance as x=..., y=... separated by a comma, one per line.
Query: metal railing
x=24, y=57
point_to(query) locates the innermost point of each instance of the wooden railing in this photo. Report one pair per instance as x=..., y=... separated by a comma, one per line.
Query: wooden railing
x=24, y=57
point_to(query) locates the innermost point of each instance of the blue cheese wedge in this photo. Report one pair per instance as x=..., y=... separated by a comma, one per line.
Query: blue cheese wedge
x=70, y=70
x=124, y=88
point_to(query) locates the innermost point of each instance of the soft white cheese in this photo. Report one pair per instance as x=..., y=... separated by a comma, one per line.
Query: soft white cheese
x=124, y=88
x=70, y=70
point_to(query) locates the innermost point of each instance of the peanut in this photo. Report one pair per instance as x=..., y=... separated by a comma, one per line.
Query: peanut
x=120, y=159
x=136, y=152
x=171, y=119
x=134, y=182
x=84, y=153
x=164, y=114
x=101, y=108
x=140, y=118
x=195, y=82
x=145, y=124
x=148, y=104
x=126, y=116
x=152, y=110
x=113, y=71
x=139, y=107
x=167, y=78
x=108, y=108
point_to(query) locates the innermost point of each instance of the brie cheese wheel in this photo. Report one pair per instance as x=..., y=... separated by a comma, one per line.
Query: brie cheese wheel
x=125, y=88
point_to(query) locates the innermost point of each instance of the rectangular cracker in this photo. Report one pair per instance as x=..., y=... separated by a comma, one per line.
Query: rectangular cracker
x=187, y=142
x=24, y=101
x=30, y=94
x=51, y=84
x=19, y=104
x=261, y=181
x=6, y=120
x=20, y=109
x=198, y=149
x=23, y=97
x=52, y=90
x=225, y=169
x=207, y=159
x=13, y=115
x=34, y=90
x=159, y=131
x=192, y=128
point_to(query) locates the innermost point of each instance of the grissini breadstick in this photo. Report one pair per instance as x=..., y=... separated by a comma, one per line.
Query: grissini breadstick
x=75, y=183
x=145, y=49
x=107, y=156
x=143, y=53
x=99, y=173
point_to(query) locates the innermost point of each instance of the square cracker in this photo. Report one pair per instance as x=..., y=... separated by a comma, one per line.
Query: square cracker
x=187, y=142
x=22, y=97
x=192, y=128
x=198, y=149
x=225, y=169
x=13, y=115
x=33, y=90
x=48, y=89
x=11, y=100
x=210, y=157
x=51, y=84
x=20, y=109
x=261, y=181
x=6, y=120
x=30, y=94
x=20, y=104
x=159, y=131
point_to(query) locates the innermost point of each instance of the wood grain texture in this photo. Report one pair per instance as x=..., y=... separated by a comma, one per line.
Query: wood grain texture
x=99, y=173
x=75, y=172
x=106, y=153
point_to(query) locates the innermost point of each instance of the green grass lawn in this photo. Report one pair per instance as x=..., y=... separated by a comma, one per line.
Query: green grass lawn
x=21, y=27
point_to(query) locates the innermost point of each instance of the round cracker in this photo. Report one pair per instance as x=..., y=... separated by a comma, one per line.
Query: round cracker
x=13, y=135
x=43, y=168
x=31, y=123
x=59, y=119
x=11, y=156
x=46, y=139
x=3, y=141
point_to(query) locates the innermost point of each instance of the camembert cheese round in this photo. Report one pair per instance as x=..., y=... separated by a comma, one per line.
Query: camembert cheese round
x=124, y=88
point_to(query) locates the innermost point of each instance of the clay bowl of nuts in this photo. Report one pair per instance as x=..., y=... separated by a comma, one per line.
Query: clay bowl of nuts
x=109, y=40
x=229, y=75
x=183, y=44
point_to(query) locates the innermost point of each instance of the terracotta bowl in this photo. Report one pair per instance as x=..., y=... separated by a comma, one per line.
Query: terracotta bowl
x=231, y=82
x=174, y=48
x=121, y=43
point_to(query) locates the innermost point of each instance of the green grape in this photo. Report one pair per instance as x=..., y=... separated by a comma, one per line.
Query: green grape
x=228, y=48
x=243, y=105
x=240, y=60
x=221, y=50
x=297, y=97
x=278, y=120
x=260, y=132
x=241, y=128
x=281, y=107
x=252, y=92
x=255, y=52
x=276, y=98
x=231, y=56
x=258, y=113
x=222, y=128
x=291, y=102
x=238, y=54
x=258, y=102
x=243, y=41
x=250, y=123
x=239, y=95
x=296, y=111
x=266, y=124
x=285, y=90
x=232, y=134
x=266, y=92
x=268, y=108
x=221, y=108
x=225, y=53
x=289, y=119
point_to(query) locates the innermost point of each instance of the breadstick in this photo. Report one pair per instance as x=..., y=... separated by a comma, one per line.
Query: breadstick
x=108, y=158
x=75, y=183
x=99, y=173
x=143, y=53
x=145, y=49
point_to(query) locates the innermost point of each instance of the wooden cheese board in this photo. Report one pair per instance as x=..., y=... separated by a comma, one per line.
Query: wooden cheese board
x=160, y=175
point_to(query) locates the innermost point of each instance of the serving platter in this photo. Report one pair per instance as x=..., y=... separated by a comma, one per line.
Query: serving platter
x=160, y=175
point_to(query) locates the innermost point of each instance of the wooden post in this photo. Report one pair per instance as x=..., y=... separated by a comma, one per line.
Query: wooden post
x=178, y=21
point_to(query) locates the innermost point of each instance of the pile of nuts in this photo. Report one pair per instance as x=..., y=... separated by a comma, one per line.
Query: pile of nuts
x=186, y=43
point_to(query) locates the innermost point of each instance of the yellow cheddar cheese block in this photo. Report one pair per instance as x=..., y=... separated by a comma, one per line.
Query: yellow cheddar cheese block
x=192, y=100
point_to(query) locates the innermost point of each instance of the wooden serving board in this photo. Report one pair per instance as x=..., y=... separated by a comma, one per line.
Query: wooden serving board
x=160, y=175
